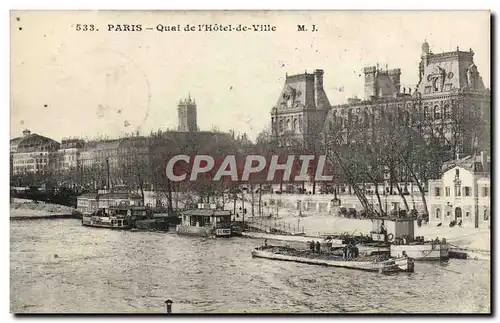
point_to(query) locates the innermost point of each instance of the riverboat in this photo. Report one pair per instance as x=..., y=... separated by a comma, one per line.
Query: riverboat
x=122, y=217
x=373, y=264
x=205, y=221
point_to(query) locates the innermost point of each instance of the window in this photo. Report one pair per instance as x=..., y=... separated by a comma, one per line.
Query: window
x=486, y=215
x=457, y=190
x=427, y=89
x=437, y=191
x=467, y=214
x=426, y=112
x=457, y=172
x=447, y=113
x=467, y=191
x=485, y=191
x=448, y=214
x=438, y=213
x=437, y=112
x=447, y=191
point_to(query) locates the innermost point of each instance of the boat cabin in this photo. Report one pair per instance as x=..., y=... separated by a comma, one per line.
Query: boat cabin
x=122, y=211
x=393, y=228
x=208, y=217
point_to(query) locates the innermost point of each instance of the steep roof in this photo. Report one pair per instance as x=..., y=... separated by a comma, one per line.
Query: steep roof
x=471, y=163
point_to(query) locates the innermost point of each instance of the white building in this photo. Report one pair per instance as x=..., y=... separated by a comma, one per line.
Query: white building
x=69, y=154
x=462, y=194
x=32, y=153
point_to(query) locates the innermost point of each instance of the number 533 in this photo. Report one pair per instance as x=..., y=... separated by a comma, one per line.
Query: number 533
x=80, y=27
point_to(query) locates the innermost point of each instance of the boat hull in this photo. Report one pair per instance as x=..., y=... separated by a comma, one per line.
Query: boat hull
x=421, y=252
x=202, y=232
x=398, y=265
x=90, y=222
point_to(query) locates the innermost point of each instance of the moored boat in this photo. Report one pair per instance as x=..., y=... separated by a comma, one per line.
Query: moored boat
x=205, y=221
x=120, y=217
x=373, y=264
x=399, y=234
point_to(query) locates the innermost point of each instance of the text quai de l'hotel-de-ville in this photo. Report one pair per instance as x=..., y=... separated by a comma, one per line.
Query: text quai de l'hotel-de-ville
x=194, y=27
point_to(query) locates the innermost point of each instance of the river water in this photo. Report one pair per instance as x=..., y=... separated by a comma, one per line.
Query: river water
x=58, y=266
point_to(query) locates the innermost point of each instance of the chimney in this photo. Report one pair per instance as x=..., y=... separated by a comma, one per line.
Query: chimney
x=26, y=132
x=484, y=161
x=318, y=87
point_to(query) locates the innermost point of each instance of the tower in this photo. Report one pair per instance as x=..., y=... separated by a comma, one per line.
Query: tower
x=187, y=115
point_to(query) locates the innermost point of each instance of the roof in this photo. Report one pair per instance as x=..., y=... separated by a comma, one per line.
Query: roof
x=112, y=195
x=207, y=212
x=102, y=145
x=31, y=142
x=471, y=163
x=393, y=219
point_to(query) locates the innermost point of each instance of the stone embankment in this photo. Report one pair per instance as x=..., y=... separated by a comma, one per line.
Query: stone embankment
x=29, y=210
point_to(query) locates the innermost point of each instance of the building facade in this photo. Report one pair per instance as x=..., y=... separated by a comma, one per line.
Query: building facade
x=301, y=108
x=462, y=194
x=69, y=154
x=33, y=153
x=450, y=101
x=450, y=104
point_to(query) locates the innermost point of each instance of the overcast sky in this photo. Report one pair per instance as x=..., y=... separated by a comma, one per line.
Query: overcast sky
x=82, y=84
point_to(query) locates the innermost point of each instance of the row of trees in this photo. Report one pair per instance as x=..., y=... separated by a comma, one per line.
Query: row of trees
x=391, y=147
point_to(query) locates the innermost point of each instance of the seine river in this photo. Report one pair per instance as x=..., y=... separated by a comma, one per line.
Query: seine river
x=58, y=266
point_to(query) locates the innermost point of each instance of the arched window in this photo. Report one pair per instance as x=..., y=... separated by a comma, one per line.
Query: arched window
x=281, y=125
x=438, y=213
x=486, y=215
x=288, y=125
x=295, y=125
x=437, y=112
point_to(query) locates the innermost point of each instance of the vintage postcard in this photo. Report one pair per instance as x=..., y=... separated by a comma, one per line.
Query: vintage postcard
x=250, y=162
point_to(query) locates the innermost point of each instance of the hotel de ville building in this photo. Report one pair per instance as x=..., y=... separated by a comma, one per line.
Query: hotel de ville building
x=449, y=93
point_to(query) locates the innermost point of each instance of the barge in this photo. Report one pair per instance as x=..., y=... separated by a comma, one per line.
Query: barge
x=372, y=264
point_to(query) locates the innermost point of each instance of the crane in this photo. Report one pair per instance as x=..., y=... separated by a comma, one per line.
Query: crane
x=361, y=197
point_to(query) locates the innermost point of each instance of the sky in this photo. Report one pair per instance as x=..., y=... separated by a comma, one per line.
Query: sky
x=69, y=83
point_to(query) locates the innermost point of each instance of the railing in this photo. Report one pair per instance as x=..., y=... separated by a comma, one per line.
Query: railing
x=274, y=226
